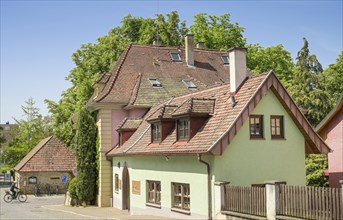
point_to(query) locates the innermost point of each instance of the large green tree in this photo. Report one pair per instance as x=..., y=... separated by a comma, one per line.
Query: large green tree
x=333, y=79
x=217, y=32
x=30, y=132
x=310, y=95
x=307, y=89
x=86, y=155
x=276, y=58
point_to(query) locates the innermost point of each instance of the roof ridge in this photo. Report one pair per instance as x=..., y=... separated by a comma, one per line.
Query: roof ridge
x=165, y=47
x=116, y=74
x=135, y=90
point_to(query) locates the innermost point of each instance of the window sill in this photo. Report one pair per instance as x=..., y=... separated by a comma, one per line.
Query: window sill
x=278, y=139
x=181, y=211
x=153, y=205
x=257, y=138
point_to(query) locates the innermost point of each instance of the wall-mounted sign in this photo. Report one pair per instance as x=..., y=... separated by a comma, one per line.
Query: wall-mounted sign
x=136, y=187
x=64, y=179
x=32, y=180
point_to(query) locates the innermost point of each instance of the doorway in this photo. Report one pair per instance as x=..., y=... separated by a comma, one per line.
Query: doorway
x=126, y=189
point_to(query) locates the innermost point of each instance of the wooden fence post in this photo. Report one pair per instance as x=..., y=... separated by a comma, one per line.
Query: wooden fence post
x=272, y=198
x=219, y=197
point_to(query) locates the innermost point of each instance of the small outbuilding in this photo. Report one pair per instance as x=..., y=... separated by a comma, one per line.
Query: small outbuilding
x=50, y=164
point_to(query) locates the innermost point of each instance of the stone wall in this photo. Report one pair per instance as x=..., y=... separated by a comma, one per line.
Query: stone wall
x=53, y=179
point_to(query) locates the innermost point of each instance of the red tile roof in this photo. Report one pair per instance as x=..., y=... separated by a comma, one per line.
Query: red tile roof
x=129, y=83
x=221, y=127
x=49, y=155
x=129, y=124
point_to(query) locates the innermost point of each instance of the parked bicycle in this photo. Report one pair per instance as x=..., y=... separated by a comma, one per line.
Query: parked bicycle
x=8, y=197
x=37, y=190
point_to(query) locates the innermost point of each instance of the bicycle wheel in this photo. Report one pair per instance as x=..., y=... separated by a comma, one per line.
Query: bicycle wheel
x=22, y=197
x=8, y=198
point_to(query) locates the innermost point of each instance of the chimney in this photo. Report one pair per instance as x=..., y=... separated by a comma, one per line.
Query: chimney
x=189, y=47
x=200, y=45
x=157, y=43
x=238, y=68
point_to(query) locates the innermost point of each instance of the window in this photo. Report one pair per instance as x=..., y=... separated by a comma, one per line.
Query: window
x=276, y=127
x=156, y=132
x=183, y=129
x=175, y=57
x=256, y=126
x=225, y=59
x=189, y=84
x=154, y=192
x=181, y=196
x=116, y=182
x=154, y=82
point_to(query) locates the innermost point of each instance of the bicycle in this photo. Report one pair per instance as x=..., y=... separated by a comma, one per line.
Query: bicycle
x=8, y=197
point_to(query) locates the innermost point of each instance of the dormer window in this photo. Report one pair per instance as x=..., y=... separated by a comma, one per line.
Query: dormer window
x=156, y=132
x=175, y=57
x=189, y=84
x=225, y=59
x=183, y=129
x=154, y=82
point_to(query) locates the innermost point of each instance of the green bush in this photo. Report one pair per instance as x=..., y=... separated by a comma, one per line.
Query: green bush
x=72, y=188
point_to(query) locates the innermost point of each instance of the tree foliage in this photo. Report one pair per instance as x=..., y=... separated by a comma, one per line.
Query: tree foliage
x=30, y=132
x=315, y=166
x=274, y=58
x=333, y=79
x=86, y=154
x=307, y=89
x=217, y=32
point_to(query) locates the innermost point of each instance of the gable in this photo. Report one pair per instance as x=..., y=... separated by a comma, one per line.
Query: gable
x=313, y=143
x=49, y=155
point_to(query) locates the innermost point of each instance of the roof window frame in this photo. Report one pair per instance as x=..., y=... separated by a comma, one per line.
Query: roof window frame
x=155, y=83
x=186, y=81
x=228, y=59
x=179, y=56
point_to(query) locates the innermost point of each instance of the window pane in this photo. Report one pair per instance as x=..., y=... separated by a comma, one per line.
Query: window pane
x=175, y=56
x=225, y=59
x=256, y=126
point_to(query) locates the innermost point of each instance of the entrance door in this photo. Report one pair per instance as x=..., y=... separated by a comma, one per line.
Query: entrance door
x=126, y=189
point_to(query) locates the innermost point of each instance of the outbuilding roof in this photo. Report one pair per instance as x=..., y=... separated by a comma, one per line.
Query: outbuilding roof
x=219, y=130
x=50, y=154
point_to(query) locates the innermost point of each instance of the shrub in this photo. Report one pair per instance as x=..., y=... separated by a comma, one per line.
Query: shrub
x=72, y=188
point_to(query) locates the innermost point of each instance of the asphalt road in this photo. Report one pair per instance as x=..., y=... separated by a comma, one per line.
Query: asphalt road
x=51, y=207
x=35, y=208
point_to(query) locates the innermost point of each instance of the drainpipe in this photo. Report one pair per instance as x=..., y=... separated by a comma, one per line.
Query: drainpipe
x=208, y=186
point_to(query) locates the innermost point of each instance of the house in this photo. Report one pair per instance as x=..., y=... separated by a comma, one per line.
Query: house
x=143, y=76
x=331, y=130
x=50, y=162
x=245, y=132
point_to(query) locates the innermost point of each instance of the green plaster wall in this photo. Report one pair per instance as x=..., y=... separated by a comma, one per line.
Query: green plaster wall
x=181, y=169
x=246, y=161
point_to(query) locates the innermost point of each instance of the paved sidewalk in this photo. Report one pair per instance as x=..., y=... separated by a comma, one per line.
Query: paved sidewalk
x=94, y=212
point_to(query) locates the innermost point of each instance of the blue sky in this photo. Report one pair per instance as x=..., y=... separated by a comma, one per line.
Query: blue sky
x=39, y=37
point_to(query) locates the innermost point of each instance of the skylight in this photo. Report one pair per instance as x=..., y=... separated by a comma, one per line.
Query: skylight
x=175, y=57
x=155, y=83
x=189, y=84
x=225, y=59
